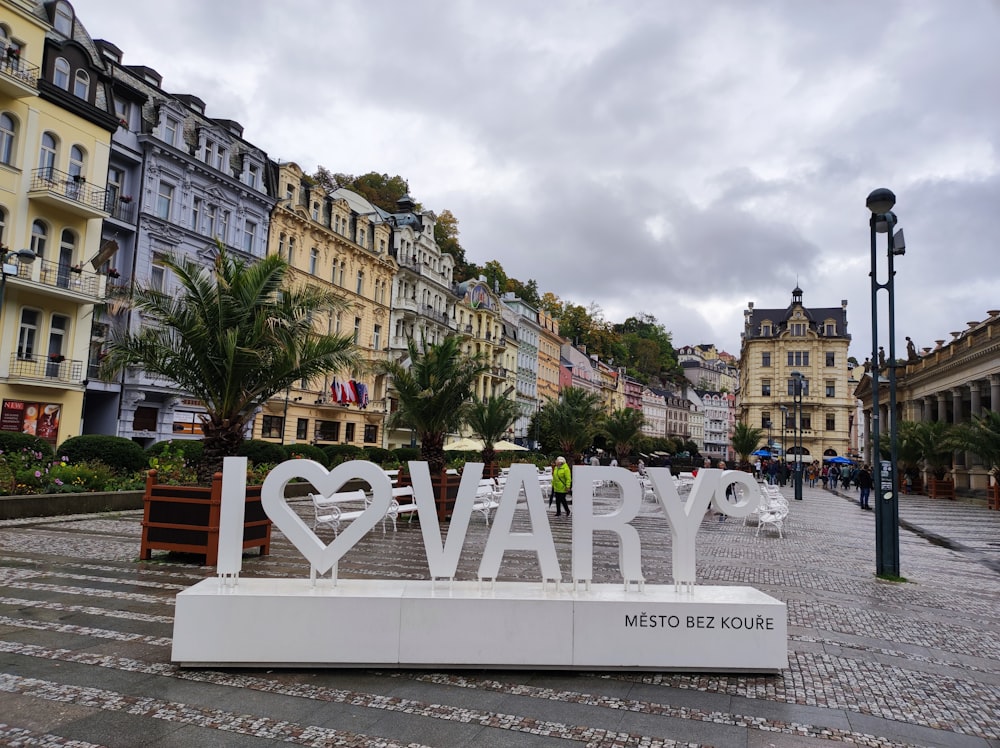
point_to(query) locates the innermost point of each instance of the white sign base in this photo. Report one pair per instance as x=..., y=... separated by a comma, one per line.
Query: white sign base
x=424, y=624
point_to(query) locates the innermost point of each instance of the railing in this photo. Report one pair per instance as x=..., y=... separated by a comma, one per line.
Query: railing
x=61, y=275
x=31, y=366
x=71, y=186
x=13, y=67
x=119, y=209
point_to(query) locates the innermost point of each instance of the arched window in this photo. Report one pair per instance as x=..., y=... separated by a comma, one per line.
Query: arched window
x=77, y=161
x=8, y=130
x=3, y=223
x=63, y=18
x=60, y=73
x=47, y=155
x=81, y=86
x=39, y=237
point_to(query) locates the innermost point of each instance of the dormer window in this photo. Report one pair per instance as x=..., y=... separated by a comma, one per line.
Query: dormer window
x=81, y=85
x=63, y=19
x=60, y=73
x=765, y=329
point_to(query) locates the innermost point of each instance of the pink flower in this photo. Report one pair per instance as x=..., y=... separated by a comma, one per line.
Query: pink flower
x=38, y=474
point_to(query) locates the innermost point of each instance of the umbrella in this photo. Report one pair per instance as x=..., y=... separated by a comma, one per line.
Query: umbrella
x=464, y=444
x=760, y=453
x=839, y=461
x=505, y=446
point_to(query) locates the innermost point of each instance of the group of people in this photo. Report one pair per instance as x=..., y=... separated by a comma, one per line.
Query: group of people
x=831, y=475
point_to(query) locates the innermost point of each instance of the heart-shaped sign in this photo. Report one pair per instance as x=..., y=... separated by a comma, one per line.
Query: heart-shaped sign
x=323, y=556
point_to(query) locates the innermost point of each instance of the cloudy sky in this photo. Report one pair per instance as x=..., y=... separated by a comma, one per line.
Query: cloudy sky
x=675, y=158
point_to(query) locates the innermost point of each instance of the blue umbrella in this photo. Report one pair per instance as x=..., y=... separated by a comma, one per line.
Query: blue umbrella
x=761, y=453
x=839, y=461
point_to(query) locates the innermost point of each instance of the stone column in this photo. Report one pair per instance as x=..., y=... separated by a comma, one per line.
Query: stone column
x=958, y=458
x=929, y=401
x=995, y=392
x=942, y=408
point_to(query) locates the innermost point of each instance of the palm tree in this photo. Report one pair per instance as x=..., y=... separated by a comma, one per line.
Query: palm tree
x=489, y=421
x=623, y=428
x=931, y=440
x=572, y=420
x=745, y=440
x=434, y=391
x=232, y=336
x=981, y=436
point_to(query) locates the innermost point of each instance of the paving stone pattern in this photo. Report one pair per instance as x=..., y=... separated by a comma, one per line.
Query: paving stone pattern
x=85, y=643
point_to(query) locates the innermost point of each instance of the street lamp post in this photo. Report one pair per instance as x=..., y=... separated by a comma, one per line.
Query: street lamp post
x=880, y=202
x=784, y=424
x=797, y=380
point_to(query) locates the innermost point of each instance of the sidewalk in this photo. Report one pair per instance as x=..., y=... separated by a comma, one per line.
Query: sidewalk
x=85, y=636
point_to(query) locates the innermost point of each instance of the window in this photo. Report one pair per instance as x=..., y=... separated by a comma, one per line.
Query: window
x=798, y=329
x=302, y=428
x=328, y=431
x=63, y=19
x=158, y=276
x=830, y=329
x=164, y=200
x=3, y=223
x=313, y=260
x=60, y=73
x=357, y=330
x=343, y=267
x=47, y=155
x=798, y=358
x=281, y=245
x=831, y=358
x=253, y=176
x=315, y=211
x=765, y=419
x=67, y=248
x=831, y=388
x=765, y=329
x=765, y=387
x=791, y=386
x=806, y=420
x=348, y=432
x=224, y=227
x=81, y=85
x=170, y=126
x=831, y=422
x=58, y=327
x=76, y=163
x=765, y=359
x=27, y=334
x=371, y=433
x=337, y=324
x=116, y=185
x=197, y=208
x=249, y=236
x=145, y=418
x=291, y=249
x=211, y=214
x=377, y=337
x=8, y=130
x=272, y=427
x=39, y=237
x=361, y=282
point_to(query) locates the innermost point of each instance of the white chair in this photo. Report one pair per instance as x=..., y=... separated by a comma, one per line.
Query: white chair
x=773, y=516
x=327, y=511
x=486, y=501
x=403, y=494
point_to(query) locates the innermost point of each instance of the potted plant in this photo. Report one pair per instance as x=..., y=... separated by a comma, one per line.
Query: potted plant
x=113, y=273
x=56, y=358
x=932, y=441
x=126, y=199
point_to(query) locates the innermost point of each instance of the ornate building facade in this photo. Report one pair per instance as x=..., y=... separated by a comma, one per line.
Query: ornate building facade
x=814, y=343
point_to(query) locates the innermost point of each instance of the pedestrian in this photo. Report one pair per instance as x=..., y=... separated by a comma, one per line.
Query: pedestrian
x=756, y=469
x=730, y=494
x=595, y=461
x=864, y=479
x=833, y=475
x=562, y=482
x=846, y=474
x=824, y=475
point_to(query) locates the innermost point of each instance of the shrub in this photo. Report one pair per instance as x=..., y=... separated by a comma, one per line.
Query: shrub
x=338, y=453
x=118, y=453
x=11, y=441
x=190, y=449
x=405, y=454
x=260, y=452
x=305, y=451
x=378, y=455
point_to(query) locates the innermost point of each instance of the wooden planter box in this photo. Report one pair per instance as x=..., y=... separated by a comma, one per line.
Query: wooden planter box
x=186, y=519
x=993, y=497
x=445, y=488
x=940, y=489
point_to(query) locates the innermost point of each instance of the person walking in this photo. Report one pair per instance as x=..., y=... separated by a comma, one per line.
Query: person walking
x=864, y=480
x=562, y=482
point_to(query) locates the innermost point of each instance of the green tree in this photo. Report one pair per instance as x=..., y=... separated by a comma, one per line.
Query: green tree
x=446, y=237
x=981, y=436
x=495, y=276
x=623, y=428
x=572, y=421
x=232, y=336
x=489, y=421
x=433, y=392
x=929, y=439
x=745, y=440
x=379, y=189
x=527, y=291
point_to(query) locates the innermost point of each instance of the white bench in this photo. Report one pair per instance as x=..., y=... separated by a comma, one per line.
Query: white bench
x=327, y=511
x=402, y=503
x=486, y=498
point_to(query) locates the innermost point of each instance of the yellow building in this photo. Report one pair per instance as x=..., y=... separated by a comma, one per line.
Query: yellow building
x=813, y=342
x=340, y=241
x=478, y=318
x=56, y=120
x=549, y=345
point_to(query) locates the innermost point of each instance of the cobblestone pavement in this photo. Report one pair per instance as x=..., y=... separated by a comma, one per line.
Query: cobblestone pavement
x=85, y=634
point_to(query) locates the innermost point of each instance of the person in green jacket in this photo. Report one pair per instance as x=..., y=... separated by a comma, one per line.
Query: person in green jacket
x=562, y=482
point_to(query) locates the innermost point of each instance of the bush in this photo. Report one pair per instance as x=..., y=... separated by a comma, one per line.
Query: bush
x=404, y=454
x=118, y=453
x=260, y=452
x=305, y=451
x=338, y=453
x=11, y=441
x=378, y=455
x=190, y=450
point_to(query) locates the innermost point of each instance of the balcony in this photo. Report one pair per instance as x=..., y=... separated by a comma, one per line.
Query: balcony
x=405, y=304
x=68, y=192
x=18, y=79
x=49, y=369
x=69, y=282
x=120, y=210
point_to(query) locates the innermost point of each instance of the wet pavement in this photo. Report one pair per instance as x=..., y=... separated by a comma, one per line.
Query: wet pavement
x=85, y=644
